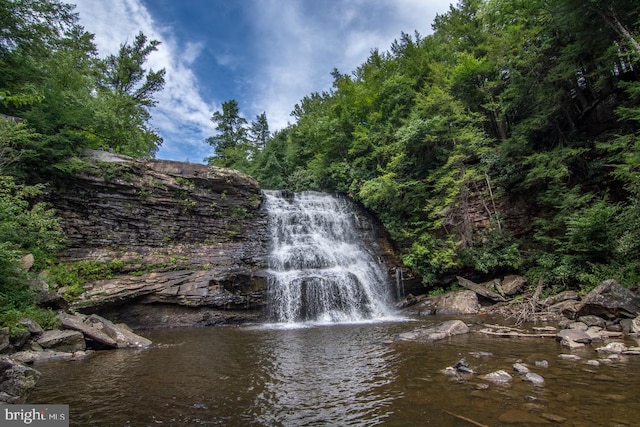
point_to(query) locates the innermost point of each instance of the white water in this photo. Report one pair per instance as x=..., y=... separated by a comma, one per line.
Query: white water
x=320, y=269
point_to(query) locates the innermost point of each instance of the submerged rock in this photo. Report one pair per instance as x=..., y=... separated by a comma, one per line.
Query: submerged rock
x=500, y=377
x=534, y=378
x=438, y=332
x=612, y=348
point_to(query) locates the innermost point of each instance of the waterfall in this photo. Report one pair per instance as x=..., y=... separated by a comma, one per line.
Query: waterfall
x=320, y=268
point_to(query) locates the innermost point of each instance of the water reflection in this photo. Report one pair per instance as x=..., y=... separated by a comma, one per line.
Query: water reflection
x=335, y=375
x=327, y=375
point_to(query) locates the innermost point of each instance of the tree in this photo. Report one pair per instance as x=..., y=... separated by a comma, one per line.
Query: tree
x=126, y=93
x=259, y=132
x=231, y=143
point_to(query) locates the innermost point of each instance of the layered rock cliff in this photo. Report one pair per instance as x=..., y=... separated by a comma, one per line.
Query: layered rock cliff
x=182, y=243
x=178, y=243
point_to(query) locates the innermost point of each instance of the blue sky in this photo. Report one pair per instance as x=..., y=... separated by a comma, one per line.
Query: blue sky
x=265, y=54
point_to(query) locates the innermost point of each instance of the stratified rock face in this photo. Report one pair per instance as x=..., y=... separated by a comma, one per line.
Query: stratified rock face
x=185, y=244
x=180, y=233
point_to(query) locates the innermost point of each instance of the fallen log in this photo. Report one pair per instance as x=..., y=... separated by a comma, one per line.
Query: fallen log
x=479, y=289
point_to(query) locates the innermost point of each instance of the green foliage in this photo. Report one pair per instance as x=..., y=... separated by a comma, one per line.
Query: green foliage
x=494, y=251
x=72, y=276
x=25, y=227
x=503, y=103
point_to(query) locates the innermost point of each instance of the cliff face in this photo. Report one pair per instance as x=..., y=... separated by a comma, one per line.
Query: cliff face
x=184, y=244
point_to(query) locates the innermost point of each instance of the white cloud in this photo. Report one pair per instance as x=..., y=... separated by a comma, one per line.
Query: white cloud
x=301, y=43
x=293, y=47
x=182, y=115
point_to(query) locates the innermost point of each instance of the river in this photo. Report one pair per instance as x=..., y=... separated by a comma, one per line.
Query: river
x=336, y=375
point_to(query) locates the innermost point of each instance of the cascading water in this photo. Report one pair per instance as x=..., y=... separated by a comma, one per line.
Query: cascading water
x=320, y=268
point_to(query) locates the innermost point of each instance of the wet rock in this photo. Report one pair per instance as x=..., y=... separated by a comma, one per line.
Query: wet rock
x=610, y=300
x=63, y=341
x=570, y=344
x=16, y=381
x=463, y=367
x=574, y=335
x=450, y=371
x=534, y=379
x=570, y=357
x=612, y=348
x=122, y=336
x=520, y=368
x=438, y=332
x=500, y=377
x=592, y=362
x=513, y=284
x=542, y=364
x=517, y=416
x=591, y=320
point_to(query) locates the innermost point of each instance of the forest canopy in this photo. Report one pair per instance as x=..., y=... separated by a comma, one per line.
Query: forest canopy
x=507, y=140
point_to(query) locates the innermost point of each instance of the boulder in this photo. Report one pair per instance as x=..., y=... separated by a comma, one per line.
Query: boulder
x=16, y=381
x=479, y=289
x=512, y=284
x=76, y=323
x=443, y=330
x=455, y=303
x=124, y=337
x=499, y=377
x=610, y=300
x=32, y=326
x=63, y=341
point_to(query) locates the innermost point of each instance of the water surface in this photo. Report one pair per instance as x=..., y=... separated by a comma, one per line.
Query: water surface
x=335, y=375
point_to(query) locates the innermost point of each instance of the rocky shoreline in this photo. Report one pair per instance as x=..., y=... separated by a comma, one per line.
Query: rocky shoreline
x=601, y=328
x=78, y=338
x=607, y=320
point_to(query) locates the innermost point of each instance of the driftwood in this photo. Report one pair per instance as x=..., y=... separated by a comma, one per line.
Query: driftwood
x=479, y=289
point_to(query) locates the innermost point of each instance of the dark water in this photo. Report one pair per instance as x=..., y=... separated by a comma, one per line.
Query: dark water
x=336, y=375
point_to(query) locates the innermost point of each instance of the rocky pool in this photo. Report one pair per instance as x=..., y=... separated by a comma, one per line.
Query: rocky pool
x=342, y=374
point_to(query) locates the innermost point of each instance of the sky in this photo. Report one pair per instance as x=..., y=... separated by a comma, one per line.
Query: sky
x=265, y=54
